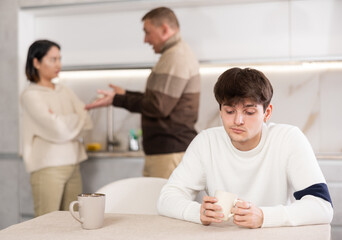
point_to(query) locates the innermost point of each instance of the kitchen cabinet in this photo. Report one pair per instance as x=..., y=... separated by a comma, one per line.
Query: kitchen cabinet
x=228, y=32
x=316, y=30
x=111, y=34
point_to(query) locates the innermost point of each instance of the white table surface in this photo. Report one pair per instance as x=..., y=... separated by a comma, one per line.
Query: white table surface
x=61, y=225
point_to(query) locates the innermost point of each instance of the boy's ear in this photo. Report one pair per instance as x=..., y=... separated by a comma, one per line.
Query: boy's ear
x=268, y=112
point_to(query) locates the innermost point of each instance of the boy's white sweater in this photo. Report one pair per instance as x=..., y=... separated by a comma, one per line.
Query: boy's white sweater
x=267, y=176
x=52, y=139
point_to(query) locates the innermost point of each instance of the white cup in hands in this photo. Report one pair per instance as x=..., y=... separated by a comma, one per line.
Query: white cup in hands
x=91, y=208
x=226, y=200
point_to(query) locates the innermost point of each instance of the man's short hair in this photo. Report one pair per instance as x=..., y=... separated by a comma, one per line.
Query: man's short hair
x=161, y=15
x=236, y=85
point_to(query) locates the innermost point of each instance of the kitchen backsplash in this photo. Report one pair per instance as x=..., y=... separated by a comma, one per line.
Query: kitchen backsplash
x=307, y=95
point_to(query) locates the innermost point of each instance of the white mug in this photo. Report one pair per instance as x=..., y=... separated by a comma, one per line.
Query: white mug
x=91, y=208
x=226, y=200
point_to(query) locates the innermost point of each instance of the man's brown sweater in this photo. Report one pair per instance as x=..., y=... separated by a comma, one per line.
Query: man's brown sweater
x=169, y=106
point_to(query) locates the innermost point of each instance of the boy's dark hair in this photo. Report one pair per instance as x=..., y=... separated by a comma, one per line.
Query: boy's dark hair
x=37, y=50
x=161, y=15
x=236, y=85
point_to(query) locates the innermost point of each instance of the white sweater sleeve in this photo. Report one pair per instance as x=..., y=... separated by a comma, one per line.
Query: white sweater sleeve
x=79, y=107
x=303, y=171
x=50, y=126
x=177, y=196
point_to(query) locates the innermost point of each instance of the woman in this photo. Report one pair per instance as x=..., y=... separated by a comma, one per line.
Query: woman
x=53, y=121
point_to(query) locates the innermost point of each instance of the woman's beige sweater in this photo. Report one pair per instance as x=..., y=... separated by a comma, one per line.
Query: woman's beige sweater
x=52, y=123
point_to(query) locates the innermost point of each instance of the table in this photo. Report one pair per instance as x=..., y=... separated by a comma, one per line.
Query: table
x=61, y=225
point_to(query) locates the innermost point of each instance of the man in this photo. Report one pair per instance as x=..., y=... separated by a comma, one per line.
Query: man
x=169, y=106
x=262, y=163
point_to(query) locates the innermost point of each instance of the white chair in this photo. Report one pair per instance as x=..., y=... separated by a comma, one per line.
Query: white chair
x=133, y=195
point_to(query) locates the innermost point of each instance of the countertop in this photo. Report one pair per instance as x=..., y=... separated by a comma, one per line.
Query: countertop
x=135, y=154
x=329, y=156
x=115, y=154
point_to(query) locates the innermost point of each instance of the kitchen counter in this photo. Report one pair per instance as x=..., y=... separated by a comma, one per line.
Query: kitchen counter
x=115, y=154
x=134, y=154
x=329, y=156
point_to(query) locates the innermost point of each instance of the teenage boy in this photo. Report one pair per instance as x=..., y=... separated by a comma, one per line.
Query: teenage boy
x=263, y=163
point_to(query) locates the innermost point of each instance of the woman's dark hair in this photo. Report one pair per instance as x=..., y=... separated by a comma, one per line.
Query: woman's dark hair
x=38, y=50
x=236, y=85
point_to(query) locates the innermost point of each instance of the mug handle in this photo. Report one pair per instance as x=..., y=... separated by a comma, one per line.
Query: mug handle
x=235, y=201
x=71, y=210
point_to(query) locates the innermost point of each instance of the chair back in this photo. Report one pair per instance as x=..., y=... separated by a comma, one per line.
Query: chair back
x=133, y=195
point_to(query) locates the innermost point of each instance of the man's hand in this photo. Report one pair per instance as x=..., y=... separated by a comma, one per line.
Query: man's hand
x=118, y=90
x=107, y=98
x=247, y=215
x=207, y=212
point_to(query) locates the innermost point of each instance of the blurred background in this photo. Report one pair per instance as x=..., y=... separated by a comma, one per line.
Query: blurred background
x=296, y=43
